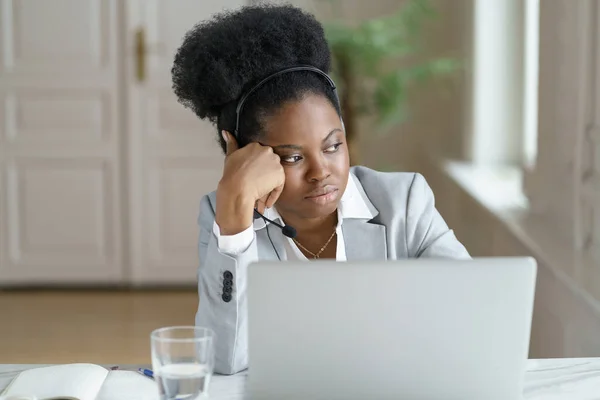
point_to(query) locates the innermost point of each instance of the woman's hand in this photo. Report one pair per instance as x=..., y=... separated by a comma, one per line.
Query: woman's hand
x=252, y=176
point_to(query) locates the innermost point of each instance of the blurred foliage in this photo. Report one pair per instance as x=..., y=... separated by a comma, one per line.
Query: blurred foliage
x=376, y=61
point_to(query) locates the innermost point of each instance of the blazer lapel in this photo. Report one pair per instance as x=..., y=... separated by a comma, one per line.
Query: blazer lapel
x=364, y=240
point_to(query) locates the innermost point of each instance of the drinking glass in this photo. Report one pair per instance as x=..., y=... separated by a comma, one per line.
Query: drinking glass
x=183, y=361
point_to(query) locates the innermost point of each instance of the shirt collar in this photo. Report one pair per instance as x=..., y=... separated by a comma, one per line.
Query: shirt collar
x=352, y=205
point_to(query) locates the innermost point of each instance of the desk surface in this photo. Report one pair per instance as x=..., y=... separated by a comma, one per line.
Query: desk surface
x=552, y=379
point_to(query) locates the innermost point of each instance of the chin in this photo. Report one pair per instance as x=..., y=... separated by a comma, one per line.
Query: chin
x=319, y=211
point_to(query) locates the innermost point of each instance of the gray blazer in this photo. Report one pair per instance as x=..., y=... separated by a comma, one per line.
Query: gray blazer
x=406, y=225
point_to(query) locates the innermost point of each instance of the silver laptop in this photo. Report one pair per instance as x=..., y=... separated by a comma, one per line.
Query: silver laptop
x=414, y=329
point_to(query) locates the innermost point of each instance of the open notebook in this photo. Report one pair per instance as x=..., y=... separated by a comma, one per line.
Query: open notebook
x=82, y=382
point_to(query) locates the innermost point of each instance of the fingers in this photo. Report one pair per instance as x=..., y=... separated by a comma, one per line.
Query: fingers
x=269, y=200
x=230, y=142
x=261, y=204
x=273, y=196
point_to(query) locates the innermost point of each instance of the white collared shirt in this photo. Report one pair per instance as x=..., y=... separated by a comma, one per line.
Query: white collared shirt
x=352, y=205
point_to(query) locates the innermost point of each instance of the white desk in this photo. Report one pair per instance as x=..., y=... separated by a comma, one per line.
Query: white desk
x=556, y=379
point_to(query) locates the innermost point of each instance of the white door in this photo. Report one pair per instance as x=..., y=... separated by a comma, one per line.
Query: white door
x=60, y=143
x=174, y=158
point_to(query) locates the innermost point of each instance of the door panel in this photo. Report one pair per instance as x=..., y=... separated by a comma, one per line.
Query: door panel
x=56, y=36
x=58, y=214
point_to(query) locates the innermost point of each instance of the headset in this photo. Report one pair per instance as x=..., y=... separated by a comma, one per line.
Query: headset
x=242, y=101
x=287, y=230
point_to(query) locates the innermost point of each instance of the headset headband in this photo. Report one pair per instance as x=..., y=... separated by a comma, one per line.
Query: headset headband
x=243, y=99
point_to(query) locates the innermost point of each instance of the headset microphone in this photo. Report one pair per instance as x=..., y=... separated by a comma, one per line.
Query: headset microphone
x=287, y=230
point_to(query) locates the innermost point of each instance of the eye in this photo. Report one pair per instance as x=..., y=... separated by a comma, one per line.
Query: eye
x=334, y=148
x=291, y=159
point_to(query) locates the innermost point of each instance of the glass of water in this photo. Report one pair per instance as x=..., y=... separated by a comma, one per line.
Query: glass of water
x=183, y=361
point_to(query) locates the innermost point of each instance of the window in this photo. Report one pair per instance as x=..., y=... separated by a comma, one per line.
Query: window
x=530, y=117
x=504, y=86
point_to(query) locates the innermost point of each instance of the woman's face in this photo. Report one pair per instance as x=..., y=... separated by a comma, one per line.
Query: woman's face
x=309, y=138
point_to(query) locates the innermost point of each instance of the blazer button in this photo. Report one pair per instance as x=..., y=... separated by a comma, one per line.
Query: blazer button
x=228, y=275
x=227, y=289
x=226, y=297
x=227, y=282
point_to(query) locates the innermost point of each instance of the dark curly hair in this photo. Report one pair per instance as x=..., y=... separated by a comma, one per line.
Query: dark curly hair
x=220, y=59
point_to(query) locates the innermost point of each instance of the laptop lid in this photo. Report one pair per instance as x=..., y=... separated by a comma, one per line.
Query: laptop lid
x=418, y=329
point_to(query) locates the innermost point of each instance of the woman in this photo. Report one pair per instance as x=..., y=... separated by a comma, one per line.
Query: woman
x=259, y=74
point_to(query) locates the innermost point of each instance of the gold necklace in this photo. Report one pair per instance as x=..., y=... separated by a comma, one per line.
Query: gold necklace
x=316, y=255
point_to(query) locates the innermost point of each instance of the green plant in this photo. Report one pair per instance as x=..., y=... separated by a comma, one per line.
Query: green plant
x=374, y=63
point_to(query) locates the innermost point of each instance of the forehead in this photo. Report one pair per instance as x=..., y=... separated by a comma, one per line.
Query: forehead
x=312, y=117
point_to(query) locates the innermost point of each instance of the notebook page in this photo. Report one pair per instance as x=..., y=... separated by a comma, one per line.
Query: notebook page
x=128, y=385
x=78, y=381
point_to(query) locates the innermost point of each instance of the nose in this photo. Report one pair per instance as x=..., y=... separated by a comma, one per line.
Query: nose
x=318, y=171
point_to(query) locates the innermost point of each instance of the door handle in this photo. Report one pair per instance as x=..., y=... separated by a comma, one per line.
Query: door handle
x=140, y=54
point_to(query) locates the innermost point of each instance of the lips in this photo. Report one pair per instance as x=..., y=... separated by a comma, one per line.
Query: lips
x=323, y=196
x=322, y=191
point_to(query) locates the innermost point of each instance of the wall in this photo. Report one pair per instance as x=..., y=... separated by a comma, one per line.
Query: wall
x=569, y=123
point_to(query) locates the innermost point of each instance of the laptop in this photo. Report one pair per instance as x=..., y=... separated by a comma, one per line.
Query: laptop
x=413, y=329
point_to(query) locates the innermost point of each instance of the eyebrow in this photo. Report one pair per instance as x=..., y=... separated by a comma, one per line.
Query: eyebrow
x=296, y=147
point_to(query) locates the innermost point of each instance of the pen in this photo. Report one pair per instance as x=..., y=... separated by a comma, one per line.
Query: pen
x=147, y=372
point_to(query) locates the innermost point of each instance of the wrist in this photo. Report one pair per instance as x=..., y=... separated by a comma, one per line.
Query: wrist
x=234, y=211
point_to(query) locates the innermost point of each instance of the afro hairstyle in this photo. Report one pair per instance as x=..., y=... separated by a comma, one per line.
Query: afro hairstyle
x=222, y=58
